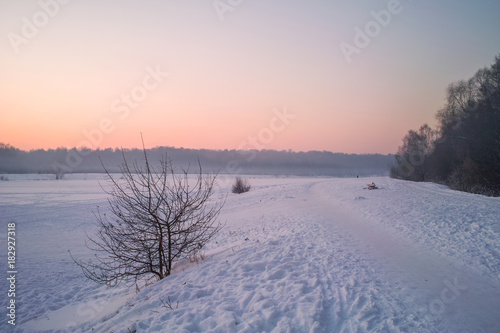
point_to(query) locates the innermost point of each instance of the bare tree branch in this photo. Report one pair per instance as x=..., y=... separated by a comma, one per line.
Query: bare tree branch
x=155, y=218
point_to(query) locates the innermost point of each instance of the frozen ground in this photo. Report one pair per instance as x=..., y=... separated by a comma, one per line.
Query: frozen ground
x=295, y=255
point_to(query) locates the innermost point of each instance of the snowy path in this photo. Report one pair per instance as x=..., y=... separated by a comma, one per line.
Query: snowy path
x=432, y=279
x=295, y=255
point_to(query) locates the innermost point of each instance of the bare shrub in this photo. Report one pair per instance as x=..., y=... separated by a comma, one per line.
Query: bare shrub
x=240, y=186
x=157, y=218
x=59, y=172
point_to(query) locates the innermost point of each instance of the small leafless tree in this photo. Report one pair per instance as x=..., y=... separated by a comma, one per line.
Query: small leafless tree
x=59, y=172
x=156, y=218
x=240, y=186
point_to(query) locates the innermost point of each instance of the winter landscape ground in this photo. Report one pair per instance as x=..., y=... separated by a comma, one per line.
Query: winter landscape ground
x=294, y=255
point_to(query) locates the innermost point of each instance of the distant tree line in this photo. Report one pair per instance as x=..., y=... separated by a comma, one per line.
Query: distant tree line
x=464, y=151
x=270, y=162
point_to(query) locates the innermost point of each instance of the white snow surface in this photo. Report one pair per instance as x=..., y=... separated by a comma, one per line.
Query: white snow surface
x=294, y=255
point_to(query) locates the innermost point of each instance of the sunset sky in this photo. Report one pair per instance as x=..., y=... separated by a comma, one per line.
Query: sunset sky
x=343, y=76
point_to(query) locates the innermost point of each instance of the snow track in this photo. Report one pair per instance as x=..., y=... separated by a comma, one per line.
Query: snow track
x=295, y=255
x=417, y=273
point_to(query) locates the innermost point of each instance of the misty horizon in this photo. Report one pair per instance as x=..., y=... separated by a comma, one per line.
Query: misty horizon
x=272, y=162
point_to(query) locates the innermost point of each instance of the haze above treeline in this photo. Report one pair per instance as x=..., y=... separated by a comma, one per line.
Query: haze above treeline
x=265, y=162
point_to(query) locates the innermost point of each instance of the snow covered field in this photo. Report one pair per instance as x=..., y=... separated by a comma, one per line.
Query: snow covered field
x=295, y=255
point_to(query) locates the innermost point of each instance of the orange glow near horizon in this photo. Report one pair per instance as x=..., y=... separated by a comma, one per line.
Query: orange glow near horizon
x=216, y=84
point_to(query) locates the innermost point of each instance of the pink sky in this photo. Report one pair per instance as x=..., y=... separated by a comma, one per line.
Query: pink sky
x=95, y=74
